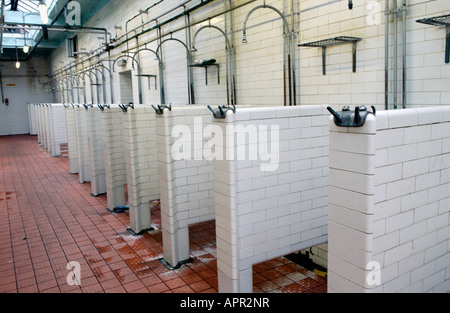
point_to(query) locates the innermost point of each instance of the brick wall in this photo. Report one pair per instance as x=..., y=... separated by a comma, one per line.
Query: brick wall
x=186, y=182
x=260, y=214
x=141, y=164
x=389, y=203
x=425, y=72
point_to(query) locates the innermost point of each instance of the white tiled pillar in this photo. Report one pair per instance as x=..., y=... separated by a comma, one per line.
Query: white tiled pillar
x=58, y=128
x=41, y=134
x=186, y=182
x=39, y=122
x=44, y=120
x=82, y=144
x=141, y=165
x=48, y=127
x=72, y=143
x=95, y=131
x=114, y=156
x=270, y=188
x=32, y=116
x=351, y=203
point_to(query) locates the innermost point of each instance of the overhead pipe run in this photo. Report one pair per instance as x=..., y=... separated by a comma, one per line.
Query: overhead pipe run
x=113, y=43
x=157, y=27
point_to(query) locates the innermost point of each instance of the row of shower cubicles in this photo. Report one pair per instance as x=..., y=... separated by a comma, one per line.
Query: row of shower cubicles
x=146, y=151
x=275, y=179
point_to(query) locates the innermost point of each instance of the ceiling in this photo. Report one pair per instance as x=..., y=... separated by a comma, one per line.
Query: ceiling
x=26, y=12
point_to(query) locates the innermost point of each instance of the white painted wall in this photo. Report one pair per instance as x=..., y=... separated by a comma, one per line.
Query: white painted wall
x=259, y=63
x=22, y=86
x=261, y=215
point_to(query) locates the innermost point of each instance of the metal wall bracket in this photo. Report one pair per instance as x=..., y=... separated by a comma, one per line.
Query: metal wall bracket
x=444, y=21
x=103, y=106
x=125, y=107
x=333, y=42
x=348, y=118
x=160, y=108
x=221, y=112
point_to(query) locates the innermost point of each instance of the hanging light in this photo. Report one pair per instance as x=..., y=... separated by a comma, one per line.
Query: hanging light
x=43, y=11
x=25, y=46
x=17, y=59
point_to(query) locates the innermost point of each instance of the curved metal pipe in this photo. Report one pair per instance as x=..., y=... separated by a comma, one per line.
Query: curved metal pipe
x=99, y=64
x=188, y=57
x=160, y=67
x=90, y=81
x=228, y=48
x=264, y=6
x=287, y=62
x=96, y=68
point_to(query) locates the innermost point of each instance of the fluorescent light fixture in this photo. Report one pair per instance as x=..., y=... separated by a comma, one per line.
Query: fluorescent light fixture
x=26, y=48
x=43, y=11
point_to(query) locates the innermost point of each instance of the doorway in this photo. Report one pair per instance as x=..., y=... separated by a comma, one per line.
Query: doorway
x=126, y=87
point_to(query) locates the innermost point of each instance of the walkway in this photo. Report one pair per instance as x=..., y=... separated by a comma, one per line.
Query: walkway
x=48, y=219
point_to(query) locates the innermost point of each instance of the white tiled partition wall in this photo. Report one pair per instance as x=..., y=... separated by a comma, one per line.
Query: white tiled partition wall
x=273, y=202
x=48, y=127
x=84, y=172
x=185, y=176
x=389, y=203
x=40, y=115
x=32, y=118
x=58, y=128
x=38, y=122
x=114, y=156
x=95, y=132
x=141, y=164
x=72, y=144
x=44, y=120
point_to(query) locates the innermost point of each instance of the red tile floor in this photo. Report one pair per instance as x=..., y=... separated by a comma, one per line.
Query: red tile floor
x=48, y=219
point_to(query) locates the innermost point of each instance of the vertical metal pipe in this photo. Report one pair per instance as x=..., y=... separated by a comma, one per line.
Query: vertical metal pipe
x=386, y=71
x=139, y=71
x=232, y=55
x=189, y=59
x=161, y=70
x=395, y=87
x=294, y=61
x=404, y=55
x=110, y=76
x=447, y=46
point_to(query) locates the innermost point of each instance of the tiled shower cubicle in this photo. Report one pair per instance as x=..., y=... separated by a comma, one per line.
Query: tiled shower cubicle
x=389, y=203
